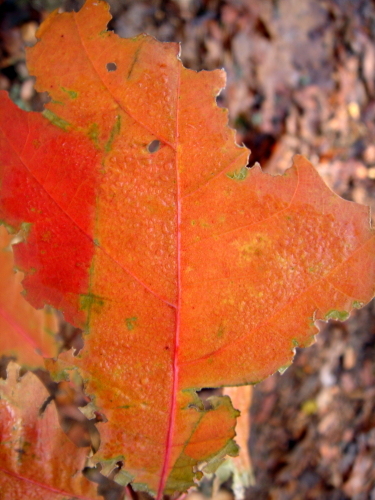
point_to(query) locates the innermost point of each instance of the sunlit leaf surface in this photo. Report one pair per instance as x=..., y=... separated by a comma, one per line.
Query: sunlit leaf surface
x=185, y=268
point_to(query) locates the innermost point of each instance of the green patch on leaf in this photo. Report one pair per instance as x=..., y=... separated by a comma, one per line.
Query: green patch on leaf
x=337, y=315
x=48, y=331
x=130, y=323
x=93, y=133
x=123, y=478
x=56, y=120
x=71, y=93
x=87, y=301
x=239, y=175
x=114, y=132
x=357, y=304
x=110, y=464
x=25, y=228
x=220, y=332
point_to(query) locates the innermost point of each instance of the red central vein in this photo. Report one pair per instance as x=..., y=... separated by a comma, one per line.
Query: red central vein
x=172, y=415
x=42, y=485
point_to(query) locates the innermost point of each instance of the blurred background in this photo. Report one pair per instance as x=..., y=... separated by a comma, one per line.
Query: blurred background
x=301, y=79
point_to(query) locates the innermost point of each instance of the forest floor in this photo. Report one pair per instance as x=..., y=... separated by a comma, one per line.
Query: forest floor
x=301, y=79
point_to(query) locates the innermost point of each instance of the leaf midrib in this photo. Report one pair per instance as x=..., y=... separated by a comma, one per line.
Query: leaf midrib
x=172, y=416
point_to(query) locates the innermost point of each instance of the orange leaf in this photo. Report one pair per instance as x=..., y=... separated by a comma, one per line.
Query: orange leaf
x=37, y=460
x=186, y=269
x=24, y=332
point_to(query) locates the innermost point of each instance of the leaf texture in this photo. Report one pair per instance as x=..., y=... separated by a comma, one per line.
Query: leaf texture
x=185, y=268
x=24, y=332
x=37, y=460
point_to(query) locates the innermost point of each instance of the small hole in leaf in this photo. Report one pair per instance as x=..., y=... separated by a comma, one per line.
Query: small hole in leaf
x=204, y=395
x=153, y=146
x=69, y=336
x=111, y=66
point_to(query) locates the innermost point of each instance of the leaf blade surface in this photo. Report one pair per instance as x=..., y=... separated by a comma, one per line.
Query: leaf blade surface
x=192, y=270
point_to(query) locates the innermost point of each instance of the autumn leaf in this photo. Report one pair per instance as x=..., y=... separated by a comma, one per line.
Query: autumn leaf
x=24, y=332
x=185, y=268
x=37, y=460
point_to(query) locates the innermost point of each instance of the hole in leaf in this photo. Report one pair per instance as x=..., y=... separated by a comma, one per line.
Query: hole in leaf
x=107, y=487
x=4, y=361
x=69, y=336
x=22, y=372
x=111, y=67
x=68, y=398
x=205, y=394
x=153, y=146
x=99, y=417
